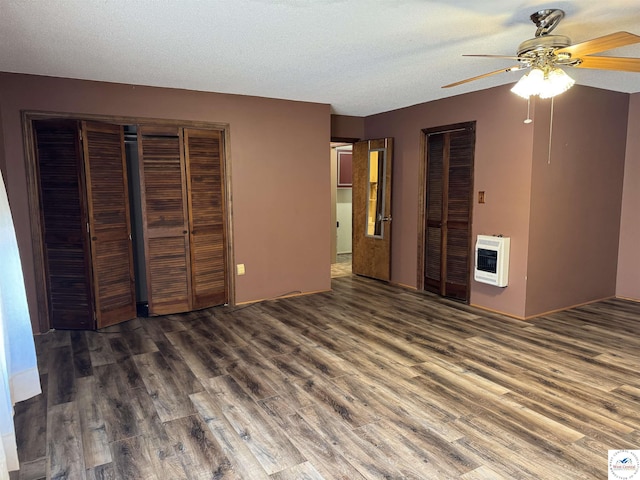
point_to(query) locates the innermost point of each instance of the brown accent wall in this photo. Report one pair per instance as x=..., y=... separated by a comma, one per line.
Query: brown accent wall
x=576, y=197
x=3, y=164
x=279, y=167
x=628, y=279
x=345, y=126
x=563, y=217
x=502, y=169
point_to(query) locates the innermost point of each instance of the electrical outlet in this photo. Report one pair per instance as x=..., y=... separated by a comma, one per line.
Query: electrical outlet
x=240, y=268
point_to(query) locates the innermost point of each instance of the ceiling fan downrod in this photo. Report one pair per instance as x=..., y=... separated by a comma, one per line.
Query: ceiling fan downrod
x=546, y=20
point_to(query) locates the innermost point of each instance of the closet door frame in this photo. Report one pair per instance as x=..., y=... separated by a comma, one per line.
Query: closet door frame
x=422, y=191
x=28, y=116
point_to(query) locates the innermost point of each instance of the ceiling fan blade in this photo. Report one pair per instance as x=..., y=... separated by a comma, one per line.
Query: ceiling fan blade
x=484, y=75
x=495, y=56
x=600, y=44
x=611, y=63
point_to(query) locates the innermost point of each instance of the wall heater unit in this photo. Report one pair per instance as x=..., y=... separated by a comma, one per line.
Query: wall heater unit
x=492, y=260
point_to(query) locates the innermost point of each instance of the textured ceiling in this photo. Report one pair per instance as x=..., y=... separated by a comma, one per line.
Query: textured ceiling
x=360, y=56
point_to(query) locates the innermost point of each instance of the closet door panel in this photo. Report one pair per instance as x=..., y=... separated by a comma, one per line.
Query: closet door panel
x=435, y=203
x=108, y=206
x=169, y=289
x=203, y=152
x=449, y=203
x=164, y=210
x=64, y=224
x=460, y=196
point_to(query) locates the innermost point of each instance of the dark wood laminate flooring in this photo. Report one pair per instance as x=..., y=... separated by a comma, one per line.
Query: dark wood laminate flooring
x=368, y=381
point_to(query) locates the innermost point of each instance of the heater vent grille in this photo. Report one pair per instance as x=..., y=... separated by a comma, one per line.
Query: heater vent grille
x=492, y=260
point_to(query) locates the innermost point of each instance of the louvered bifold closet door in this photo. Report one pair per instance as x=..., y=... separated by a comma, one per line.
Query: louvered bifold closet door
x=459, y=204
x=203, y=153
x=165, y=219
x=109, y=223
x=449, y=197
x=64, y=224
x=434, y=206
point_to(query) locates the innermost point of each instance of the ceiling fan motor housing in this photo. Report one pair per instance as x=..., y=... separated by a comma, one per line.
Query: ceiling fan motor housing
x=542, y=49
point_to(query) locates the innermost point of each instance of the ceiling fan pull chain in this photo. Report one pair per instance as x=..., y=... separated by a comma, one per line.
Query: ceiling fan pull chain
x=550, y=132
x=528, y=119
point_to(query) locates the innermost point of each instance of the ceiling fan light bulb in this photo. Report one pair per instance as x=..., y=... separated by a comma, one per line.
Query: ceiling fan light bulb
x=529, y=84
x=556, y=82
x=520, y=88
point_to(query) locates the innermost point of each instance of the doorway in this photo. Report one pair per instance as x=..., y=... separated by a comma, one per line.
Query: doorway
x=342, y=205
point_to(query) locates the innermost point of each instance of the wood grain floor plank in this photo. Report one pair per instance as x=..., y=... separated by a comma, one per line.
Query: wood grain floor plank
x=169, y=400
x=136, y=338
x=64, y=442
x=32, y=470
x=183, y=375
x=156, y=327
x=408, y=454
x=61, y=380
x=316, y=449
x=483, y=473
x=235, y=448
x=212, y=322
x=198, y=451
x=337, y=403
x=114, y=400
x=319, y=361
x=204, y=360
x=303, y=471
x=401, y=407
x=359, y=453
x=267, y=442
x=30, y=422
x=99, y=348
x=251, y=379
x=131, y=460
x=81, y=357
x=95, y=441
x=101, y=472
x=155, y=440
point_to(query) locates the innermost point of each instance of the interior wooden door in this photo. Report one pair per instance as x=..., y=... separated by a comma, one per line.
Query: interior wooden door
x=63, y=217
x=165, y=219
x=109, y=223
x=449, y=201
x=371, y=244
x=207, y=242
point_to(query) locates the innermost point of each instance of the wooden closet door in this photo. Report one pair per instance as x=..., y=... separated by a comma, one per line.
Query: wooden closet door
x=165, y=219
x=449, y=197
x=109, y=223
x=460, y=201
x=435, y=204
x=64, y=224
x=205, y=187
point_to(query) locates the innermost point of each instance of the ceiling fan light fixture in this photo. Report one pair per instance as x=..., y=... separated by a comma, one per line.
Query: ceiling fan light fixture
x=529, y=84
x=545, y=83
x=556, y=82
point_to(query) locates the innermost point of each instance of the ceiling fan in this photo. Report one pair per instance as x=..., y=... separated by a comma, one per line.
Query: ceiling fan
x=545, y=54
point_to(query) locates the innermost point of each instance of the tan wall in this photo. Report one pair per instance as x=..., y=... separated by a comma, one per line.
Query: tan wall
x=502, y=169
x=628, y=279
x=279, y=166
x=576, y=199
